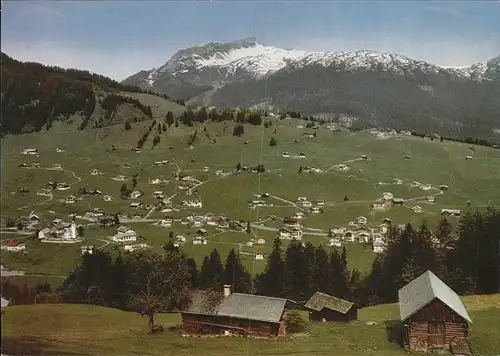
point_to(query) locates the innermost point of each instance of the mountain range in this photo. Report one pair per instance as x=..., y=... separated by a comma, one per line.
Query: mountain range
x=385, y=89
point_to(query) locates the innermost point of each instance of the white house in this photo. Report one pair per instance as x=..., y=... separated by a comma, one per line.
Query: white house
x=416, y=209
x=361, y=220
x=284, y=233
x=306, y=204
x=387, y=195
x=133, y=247
x=30, y=151
x=260, y=241
x=259, y=256
x=378, y=246
x=124, y=234
x=107, y=198
x=70, y=199
x=87, y=249
x=165, y=223
x=316, y=210
x=180, y=238
x=119, y=178
x=335, y=242
x=136, y=194
x=453, y=212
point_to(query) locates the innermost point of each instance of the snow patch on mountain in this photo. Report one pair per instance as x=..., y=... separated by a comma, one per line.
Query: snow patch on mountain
x=249, y=59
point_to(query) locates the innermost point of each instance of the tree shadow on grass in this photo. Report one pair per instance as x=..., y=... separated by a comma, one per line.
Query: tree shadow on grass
x=14, y=346
x=395, y=332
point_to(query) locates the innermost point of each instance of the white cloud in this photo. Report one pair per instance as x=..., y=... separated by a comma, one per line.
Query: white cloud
x=116, y=64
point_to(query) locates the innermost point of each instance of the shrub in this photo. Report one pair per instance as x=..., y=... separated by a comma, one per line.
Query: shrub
x=295, y=323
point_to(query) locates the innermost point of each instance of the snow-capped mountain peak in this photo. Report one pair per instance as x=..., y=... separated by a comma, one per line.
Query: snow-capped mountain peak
x=216, y=63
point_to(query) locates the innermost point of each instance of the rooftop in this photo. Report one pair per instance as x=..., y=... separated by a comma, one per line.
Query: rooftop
x=243, y=306
x=425, y=288
x=321, y=300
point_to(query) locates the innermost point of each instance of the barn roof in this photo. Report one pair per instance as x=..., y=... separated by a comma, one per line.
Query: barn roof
x=425, y=288
x=243, y=306
x=321, y=300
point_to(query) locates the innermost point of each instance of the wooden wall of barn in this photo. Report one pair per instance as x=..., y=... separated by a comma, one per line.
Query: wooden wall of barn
x=456, y=328
x=214, y=324
x=332, y=315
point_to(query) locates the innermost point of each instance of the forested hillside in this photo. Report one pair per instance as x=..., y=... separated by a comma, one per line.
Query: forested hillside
x=34, y=96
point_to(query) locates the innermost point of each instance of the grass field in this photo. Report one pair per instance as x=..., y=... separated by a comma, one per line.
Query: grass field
x=432, y=162
x=66, y=329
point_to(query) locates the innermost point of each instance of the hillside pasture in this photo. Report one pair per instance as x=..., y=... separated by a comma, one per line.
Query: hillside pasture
x=431, y=163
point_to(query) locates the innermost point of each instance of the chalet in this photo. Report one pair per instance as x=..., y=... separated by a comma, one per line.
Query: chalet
x=124, y=234
x=430, y=199
x=87, y=249
x=398, y=181
x=306, y=204
x=291, y=221
x=259, y=256
x=443, y=187
x=398, y=201
x=135, y=205
x=335, y=242
x=260, y=241
x=238, y=226
x=30, y=151
x=136, y=194
x=14, y=246
x=468, y=158
x=235, y=313
x=107, y=198
x=36, y=165
x=201, y=232
x=284, y=233
x=70, y=199
x=95, y=172
x=180, y=238
x=416, y=209
x=63, y=186
x=433, y=314
x=133, y=247
x=155, y=181
x=451, y=212
x=363, y=236
x=320, y=202
x=361, y=220
x=378, y=245
x=407, y=157
x=296, y=233
x=387, y=196
x=381, y=204
x=222, y=224
x=119, y=178
x=199, y=241
x=316, y=210
x=23, y=165
x=323, y=307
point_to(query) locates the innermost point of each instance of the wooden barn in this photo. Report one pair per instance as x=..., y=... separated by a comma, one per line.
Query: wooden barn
x=433, y=314
x=235, y=313
x=323, y=307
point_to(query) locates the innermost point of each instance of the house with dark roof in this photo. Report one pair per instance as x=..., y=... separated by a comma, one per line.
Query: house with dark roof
x=433, y=315
x=234, y=313
x=323, y=307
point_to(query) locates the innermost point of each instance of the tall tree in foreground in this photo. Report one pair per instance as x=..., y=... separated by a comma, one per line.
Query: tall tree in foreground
x=321, y=272
x=271, y=283
x=161, y=284
x=236, y=275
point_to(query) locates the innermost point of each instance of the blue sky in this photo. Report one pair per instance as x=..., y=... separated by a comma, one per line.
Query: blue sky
x=119, y=38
